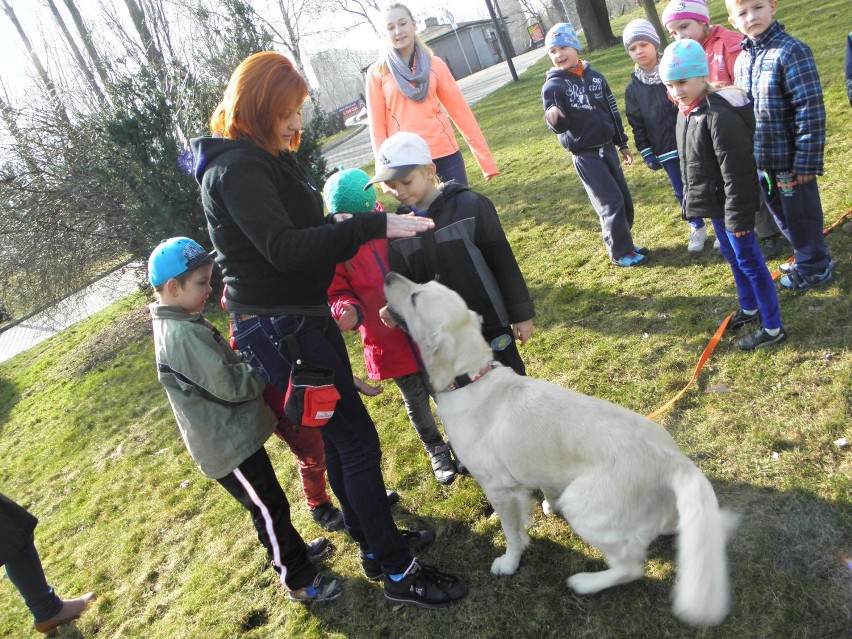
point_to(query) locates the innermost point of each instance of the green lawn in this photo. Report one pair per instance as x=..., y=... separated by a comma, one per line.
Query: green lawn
x=88, y=442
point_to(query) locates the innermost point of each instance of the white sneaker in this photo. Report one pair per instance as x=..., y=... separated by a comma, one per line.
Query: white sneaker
x=697, y=237
x=716, y=244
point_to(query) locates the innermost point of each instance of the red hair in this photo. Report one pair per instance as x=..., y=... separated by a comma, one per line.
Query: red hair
x=264, y=88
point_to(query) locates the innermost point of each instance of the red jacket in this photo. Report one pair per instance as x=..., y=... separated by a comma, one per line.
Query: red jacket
x=722, y=47
x=388, y=352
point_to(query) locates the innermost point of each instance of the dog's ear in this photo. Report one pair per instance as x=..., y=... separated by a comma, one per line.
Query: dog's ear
x=430, y=344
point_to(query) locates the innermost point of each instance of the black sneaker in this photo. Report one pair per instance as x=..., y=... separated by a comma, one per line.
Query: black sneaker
x=773, y=245
x=328, y=516
x=761, y=339
x=740, y=318
x=417, y=540
x=393, y=497
x=425, y=586
x=317, y=547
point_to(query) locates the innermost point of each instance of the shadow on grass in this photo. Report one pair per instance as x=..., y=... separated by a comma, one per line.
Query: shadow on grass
x=8, y=398
x=787, y=561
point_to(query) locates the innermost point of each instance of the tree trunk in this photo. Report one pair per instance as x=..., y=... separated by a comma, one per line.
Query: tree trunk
x=78, y=56
x=654, y=18
x=152, y=52
x=86, y=37
x=594, y=18
x=42, y=72
x=7, y=113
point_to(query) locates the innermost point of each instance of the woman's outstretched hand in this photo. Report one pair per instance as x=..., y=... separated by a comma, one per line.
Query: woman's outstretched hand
x=408, y=225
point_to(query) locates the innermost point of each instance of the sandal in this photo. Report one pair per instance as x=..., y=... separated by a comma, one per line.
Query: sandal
x=795, y=280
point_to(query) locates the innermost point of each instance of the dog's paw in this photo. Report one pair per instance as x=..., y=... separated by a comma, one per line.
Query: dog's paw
x=505, y=565
x=547, y=508
x=584, y=583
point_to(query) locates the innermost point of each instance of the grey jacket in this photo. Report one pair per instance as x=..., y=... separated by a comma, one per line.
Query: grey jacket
x=217, y=398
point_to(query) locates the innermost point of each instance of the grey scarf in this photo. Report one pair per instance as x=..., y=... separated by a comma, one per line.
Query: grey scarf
x=404, y=76
x=646, y=77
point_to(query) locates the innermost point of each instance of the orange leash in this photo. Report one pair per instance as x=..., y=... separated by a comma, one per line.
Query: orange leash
x=711, y=346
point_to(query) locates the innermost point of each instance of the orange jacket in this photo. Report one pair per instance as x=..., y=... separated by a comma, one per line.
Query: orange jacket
x=389, y=111
x=722, y=47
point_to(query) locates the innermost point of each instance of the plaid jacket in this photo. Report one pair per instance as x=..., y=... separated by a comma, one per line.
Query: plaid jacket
x=780, y=76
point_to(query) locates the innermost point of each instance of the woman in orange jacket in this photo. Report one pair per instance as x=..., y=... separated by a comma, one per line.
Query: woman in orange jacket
x=409, y=89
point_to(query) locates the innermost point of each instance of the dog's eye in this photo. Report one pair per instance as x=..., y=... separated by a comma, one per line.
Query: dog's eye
x=414, y=298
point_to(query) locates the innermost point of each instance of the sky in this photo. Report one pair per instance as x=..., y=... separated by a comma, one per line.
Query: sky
x=14, y=64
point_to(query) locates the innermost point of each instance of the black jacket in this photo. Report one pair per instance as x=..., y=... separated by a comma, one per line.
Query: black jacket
x=468, y=252
x=16, y=528
x=591, y=117
x=265, y=219
x=717, y=161
x=651, y=115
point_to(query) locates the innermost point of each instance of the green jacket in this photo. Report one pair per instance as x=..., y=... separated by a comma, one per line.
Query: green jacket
x=217, y=398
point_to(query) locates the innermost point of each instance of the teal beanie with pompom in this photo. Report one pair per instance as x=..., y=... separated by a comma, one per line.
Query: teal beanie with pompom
x=344, y=192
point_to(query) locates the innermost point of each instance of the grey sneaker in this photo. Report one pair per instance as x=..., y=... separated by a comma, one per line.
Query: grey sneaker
x=761, y=339
x=442, y=464
x=324, y=588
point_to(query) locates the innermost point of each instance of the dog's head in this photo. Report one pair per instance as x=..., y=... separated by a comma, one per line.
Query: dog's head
x=447, y=332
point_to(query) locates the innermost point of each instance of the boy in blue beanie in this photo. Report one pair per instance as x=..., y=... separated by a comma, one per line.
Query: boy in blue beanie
x=580, y=108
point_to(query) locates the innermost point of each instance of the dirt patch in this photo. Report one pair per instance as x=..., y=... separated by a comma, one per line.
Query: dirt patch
x=107, y=343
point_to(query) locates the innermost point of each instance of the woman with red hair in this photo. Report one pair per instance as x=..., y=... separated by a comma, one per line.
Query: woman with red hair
x=278, y=254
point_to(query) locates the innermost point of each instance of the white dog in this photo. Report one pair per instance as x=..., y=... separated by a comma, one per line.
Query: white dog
x=615, y=476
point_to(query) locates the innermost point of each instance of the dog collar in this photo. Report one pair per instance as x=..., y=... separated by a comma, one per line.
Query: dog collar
x=463, y=380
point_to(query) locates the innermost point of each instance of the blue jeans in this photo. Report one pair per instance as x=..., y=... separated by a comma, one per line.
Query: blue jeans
x=451, y=167
x=755, y=287
x=798, y=212
x=26, y=574
x=352, y=450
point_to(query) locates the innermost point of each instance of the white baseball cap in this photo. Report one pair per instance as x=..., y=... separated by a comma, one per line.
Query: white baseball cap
x=399, y=155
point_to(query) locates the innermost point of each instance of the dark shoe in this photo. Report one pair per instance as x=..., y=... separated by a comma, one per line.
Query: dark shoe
x=71, y=610
x=417, y=540
x=328, y=516
x=324, y=588
x=773, y=245
x=425, y=586
x=442, y=464
x=317, y=547
x=797, y=281
x=761, y=339
x=740, y=318
x=641, y=250
x=461, y=469
x=786, y=267
x=393, y=497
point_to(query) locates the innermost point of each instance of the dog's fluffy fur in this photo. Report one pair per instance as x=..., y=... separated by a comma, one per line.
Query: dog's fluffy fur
x=615, y=476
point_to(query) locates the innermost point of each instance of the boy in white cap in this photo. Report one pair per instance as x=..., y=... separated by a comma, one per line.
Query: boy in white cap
x=217, y=400
x=580, y=108
x=466, y=251
x=653, y=117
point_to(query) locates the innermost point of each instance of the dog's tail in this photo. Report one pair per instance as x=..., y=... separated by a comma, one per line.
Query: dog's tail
x=702, y=588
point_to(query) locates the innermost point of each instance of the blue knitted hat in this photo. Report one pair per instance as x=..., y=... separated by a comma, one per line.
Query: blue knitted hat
x=344, y=192
x=562, y=35
x=683, y=59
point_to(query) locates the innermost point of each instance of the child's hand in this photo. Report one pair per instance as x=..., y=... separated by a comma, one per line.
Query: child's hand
x=628, y=156
x=386, y=317
x=348, y=320
x=804, y=179
x=553, y=114
x=523, y=331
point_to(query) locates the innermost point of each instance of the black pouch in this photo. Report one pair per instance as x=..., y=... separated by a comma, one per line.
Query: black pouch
x=311, y=395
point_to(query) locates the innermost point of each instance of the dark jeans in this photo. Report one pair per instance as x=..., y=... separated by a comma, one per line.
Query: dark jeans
x=798, y=211
x=672, y=168
x=254, y=484
x=351, y=442
x=26, y=574
x=755, y=287
x=451, y=167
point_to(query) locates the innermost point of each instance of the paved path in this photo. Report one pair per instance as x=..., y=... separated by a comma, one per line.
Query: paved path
x=22, y=335
x=19, y=336
x=356, y=151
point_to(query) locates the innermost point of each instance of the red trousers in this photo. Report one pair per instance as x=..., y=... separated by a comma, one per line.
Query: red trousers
x=306, y=445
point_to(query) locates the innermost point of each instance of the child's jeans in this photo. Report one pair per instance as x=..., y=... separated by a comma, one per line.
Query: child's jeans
x=798, y=211
x=672, y=168
x=352, y=452
x=416, y=394
x=603, y=179
x=26, y=574
x=253, y=483
x=755, y=287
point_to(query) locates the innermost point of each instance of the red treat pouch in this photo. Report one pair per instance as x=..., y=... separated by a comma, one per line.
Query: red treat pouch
x=311, y=396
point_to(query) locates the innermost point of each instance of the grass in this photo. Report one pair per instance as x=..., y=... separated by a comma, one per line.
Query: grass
x=88, y=442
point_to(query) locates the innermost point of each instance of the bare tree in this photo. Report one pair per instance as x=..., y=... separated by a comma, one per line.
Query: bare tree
x=84, y=67
x=654, y=18
x=86, y=37
x=594, y=17
x=364, y=11
x=36, y=61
